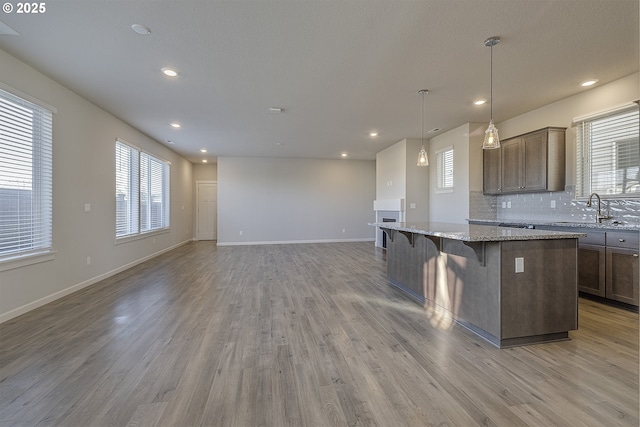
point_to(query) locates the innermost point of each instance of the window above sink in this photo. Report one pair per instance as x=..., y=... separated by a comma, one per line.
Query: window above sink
x=608, y=153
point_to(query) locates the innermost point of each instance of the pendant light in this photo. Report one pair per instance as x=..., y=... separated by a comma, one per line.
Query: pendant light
x=423, y=160
x=491, y=139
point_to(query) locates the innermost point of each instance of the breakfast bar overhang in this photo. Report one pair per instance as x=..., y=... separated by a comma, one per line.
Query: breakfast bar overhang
x=510, y=286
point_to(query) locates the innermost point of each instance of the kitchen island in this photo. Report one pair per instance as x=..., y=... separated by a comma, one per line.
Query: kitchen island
x=510, y=286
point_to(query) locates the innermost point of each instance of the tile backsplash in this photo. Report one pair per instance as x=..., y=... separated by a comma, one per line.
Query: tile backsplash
x=551, y=206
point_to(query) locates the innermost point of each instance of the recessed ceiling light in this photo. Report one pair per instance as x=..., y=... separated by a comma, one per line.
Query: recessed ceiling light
x=204, y=161
x=479, y=102
x=143, y=30
x=176, y=125
x=373, y=134
x=275, y=110
x=589, y=82
x=344, y=154
x=203, y=150
x=170, y=72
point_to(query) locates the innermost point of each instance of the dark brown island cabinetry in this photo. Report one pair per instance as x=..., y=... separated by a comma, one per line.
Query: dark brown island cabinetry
x=534, y=161
x=608, y=264
x=511, y=287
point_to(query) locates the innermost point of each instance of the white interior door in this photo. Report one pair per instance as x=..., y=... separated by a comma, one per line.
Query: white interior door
x=207, y=211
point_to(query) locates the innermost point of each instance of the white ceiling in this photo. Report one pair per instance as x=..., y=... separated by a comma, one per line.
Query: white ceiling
x=338, y=69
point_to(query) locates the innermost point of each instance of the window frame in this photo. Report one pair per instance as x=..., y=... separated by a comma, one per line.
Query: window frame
x=441, y=170
x=40, y=152
x=165, y=175
x=584, y=177
x=131, y=193
x=135, y=177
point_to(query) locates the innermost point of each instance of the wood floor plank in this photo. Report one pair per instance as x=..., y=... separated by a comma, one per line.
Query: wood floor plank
x=147, y=415
x=297, y=335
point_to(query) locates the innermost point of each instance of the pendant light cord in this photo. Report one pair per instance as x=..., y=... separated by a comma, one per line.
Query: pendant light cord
x=491, y=84
x=422, y=119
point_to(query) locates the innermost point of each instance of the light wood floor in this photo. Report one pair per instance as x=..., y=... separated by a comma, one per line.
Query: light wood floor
x=295, y=335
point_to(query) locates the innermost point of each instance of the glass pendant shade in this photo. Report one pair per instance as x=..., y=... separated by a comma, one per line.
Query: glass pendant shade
x=423, y=160
x=491, y=139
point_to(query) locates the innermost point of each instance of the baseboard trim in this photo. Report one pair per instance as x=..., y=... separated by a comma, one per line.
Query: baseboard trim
x=294, y=242
x=78, y=286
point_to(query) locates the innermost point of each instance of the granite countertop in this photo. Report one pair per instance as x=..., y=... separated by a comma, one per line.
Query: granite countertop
x=606, y=225
x=476, y=233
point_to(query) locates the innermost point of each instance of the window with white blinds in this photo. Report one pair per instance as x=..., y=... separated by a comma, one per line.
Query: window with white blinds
x=608, y=154
x=25, y=177
x=142, y=191
x=444, y=170
x=154, y=193
x=127, y=162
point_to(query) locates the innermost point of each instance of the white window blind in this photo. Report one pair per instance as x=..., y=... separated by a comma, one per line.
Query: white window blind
x=444, y=170
x=25, y=177
x=127, y=159
x=608, y=154
x=154, y=193
x=142, y=191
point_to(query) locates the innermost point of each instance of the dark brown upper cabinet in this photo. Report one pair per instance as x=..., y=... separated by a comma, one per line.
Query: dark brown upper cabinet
x=531, y=162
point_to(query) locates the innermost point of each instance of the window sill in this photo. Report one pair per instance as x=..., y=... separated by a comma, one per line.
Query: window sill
x=18, y=261
x=444, y=190
x=134, y=237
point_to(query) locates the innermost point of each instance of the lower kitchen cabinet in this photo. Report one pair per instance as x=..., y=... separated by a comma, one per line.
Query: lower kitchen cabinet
x=591, y=269
x=622, y=275
x=622, y=267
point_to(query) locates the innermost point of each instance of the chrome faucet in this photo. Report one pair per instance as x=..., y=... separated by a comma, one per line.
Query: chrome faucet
x=599, y=216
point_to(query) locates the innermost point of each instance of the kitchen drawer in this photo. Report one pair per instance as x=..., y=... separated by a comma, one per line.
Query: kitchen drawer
x=594, y=237
x=621, y=239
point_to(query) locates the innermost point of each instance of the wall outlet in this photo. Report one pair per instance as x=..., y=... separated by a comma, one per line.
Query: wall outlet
x=509, y=204
x=88, y=260
x=504, y=205
x=87, y=207
x=553, y=204
x=412, y=206
x=241, y=232
x=520, y=265
x=343, y=230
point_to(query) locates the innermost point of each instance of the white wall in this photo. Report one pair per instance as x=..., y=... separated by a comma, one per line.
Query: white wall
x=275, y=200
x=417, y=183
x=475, y=164
x=83, y=172
x=202, y=172
x=467, y=172
x=399, y=177
x=391, y=172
